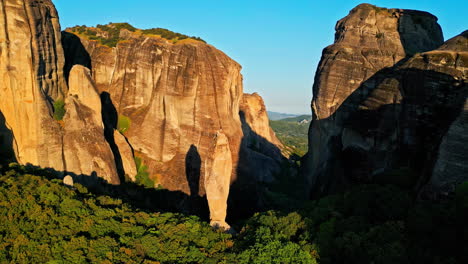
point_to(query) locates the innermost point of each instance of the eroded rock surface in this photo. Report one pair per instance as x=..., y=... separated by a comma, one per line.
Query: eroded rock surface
x=451, y=167
x=126, y=155
x=217, y=165
x=369, y=43
x=260, y=146
x=31, y=65
x=31, y=70
x=175, y=96
x=85, y=148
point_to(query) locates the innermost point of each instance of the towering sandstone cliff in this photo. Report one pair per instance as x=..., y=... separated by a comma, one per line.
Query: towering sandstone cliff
x=86, y=103
x=378, y=110
x=31, y=66
x=260, y=146
x=176, y=97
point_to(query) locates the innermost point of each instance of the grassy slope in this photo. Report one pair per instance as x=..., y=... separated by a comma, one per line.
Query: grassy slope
x=292, y=133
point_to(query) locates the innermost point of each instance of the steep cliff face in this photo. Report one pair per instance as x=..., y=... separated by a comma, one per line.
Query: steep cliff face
x=451, y=168
x=175, y=98
x=31, y=66
x=401, y=121
x=31, y=79
x=368, y=43
x=254, y=115
x=85, y=148
x=260, y=146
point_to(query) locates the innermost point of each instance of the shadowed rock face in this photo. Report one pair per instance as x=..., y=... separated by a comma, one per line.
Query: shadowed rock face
x=257, y=128
x=451, y=167
x=261, y=152
x=31, y=66
x=369, y=44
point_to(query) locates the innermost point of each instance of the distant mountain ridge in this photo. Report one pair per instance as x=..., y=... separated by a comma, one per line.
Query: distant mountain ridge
x=299, y=119
x=279, y=116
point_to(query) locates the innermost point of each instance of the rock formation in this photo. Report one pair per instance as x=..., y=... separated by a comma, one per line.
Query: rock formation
x=86, y=102
x=260, y=146
x=254, y=115
x=174, y=95
x=375, y=109
x=85, y=148
x=31, y=66
x=217, y=165
x=451, y=167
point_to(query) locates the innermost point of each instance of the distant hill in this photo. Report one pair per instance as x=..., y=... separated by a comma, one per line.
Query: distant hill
x=278, y=116
x=293, y=132
x=299, y=119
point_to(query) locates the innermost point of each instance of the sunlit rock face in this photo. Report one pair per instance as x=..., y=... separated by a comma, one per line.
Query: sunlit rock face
x=262, y=150
x=31, y=70
x=175, y=96
x=85, y=148
x=363, y=95
x=31, y=65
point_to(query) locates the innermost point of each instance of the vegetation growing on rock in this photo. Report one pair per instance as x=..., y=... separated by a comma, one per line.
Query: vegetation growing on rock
x=110, y=34
x=59, y=109
x=123, y=123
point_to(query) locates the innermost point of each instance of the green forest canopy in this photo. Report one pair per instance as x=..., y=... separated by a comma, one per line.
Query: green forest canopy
x=42, y=221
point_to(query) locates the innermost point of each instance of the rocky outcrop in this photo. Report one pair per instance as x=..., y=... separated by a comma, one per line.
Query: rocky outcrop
x=174, y=96
x=85, y=148
x=33, y=81
x=260, y=146
x=31, y=69
x=126, y=155
x=359, y=95
x=451, y=167
x=119, y=92
x=257, y=125
x=217, y=165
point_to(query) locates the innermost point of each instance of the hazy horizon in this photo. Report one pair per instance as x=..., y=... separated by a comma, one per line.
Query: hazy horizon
x=278, y=43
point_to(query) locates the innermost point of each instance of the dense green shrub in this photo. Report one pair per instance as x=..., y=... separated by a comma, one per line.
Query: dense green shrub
x=59, y=109
x=123, y=123
x=143, y=177
x=109, y=35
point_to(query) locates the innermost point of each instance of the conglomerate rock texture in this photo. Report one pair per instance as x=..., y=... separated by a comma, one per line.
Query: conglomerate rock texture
x=372, y=104
x=451, y=167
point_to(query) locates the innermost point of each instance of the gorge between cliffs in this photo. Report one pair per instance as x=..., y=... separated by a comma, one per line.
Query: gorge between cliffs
x=128, y=145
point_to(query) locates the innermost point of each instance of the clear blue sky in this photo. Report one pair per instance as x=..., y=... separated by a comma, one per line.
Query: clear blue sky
x=277, y=42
